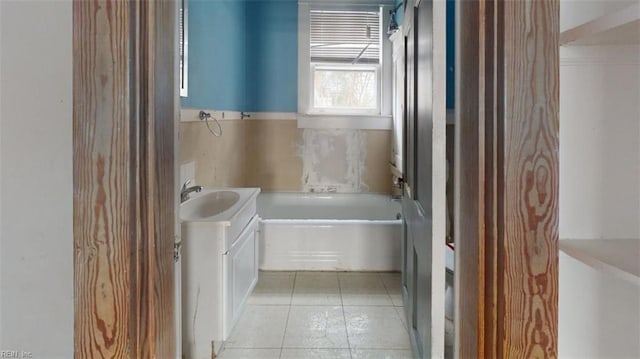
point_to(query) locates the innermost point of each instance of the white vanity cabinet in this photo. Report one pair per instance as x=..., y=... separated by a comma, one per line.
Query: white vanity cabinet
x=219, y=272
x=240, y=274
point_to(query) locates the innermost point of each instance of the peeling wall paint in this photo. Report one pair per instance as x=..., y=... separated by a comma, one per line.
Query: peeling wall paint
x=269, y=155
x=333, y=160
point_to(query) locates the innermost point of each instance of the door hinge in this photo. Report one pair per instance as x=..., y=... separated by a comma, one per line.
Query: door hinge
x=177, y=248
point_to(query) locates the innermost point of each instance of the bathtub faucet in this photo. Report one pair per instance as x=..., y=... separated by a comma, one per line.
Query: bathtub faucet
x=184, y=192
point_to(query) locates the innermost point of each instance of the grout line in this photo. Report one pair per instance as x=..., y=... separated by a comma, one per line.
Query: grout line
x=286, y=325
x=395, y=307
x=344, y=317
x=402, y=319
x=385, y=288
x=293, y=288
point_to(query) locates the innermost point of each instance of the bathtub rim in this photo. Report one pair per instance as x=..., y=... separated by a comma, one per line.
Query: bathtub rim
x=331, y=221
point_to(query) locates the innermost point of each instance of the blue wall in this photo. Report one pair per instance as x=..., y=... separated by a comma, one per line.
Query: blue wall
x=451, y=54
x=399, y=6
x=217, y=73
x=272, y=56
x=243, y=55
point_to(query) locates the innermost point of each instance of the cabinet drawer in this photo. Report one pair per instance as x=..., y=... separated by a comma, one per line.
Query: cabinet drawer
x=235, y=232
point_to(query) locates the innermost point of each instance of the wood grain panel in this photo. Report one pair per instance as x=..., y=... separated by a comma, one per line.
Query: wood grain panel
x=492, y=184
x=507, y=179
x=103, y=232
x=529, y=206
x=469, y=184
x=162, y=127
x=123, y=122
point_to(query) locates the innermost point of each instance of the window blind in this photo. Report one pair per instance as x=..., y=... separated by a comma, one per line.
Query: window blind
x=345, y=36
x=181, y=44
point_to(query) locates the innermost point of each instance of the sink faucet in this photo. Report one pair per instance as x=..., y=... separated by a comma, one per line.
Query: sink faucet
x=184, y=192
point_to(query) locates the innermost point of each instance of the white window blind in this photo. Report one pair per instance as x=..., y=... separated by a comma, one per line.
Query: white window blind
x=183, y=36
x=345, y=36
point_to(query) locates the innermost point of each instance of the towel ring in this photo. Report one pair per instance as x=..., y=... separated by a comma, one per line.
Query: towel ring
x=205, y=116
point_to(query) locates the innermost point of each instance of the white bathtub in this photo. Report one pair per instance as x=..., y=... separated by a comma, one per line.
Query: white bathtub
x=307, y=231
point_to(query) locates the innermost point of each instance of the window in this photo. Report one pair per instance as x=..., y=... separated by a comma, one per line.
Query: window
x=345, y=89
x=344, y=66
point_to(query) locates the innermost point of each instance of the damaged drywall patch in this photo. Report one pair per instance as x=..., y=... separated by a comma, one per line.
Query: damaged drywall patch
x=333, y=160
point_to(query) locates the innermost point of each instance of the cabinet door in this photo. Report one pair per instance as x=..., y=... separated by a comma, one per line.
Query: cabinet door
x=242, y=272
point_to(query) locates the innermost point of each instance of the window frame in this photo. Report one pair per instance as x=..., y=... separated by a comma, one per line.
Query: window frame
x=310, y=117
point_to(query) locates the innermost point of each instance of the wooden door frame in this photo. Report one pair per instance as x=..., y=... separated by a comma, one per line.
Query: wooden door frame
x=124, y=110
x=506, y=175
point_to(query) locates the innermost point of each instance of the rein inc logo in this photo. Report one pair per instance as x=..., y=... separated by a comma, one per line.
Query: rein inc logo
x=14, y=354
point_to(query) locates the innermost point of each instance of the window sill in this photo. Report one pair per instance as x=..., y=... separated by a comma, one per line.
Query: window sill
x=354, y=122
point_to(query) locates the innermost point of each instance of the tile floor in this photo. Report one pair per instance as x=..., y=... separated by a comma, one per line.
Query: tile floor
x=332, y=315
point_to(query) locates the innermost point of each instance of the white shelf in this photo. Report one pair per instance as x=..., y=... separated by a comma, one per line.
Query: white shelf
x=619, y=257
x=618, y=28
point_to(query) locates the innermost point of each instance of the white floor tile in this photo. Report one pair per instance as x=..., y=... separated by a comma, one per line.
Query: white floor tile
x=393, y=284
x=232, y=353
x=316, y=327
x=363, y=289
x=315, y=354
x=308, y=319
x=260, y=326
x=316, y=288
x=273, y=288
x=403, y=317
x=375, y=328
x=381, y=354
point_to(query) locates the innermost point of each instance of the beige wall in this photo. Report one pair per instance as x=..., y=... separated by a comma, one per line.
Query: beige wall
x=270, y=154
x=378, y=175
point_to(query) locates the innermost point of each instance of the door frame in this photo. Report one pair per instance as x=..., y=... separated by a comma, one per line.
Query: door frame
x=125, y=105
x=506, y=178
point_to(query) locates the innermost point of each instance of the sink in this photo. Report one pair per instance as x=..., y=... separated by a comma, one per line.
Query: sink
x=208, y=205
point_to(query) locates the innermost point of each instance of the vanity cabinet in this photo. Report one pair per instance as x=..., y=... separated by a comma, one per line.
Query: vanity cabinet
x=219, y=273
x=240, y=271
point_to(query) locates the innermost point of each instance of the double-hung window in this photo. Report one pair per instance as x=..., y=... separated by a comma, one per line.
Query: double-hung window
x=344, y=65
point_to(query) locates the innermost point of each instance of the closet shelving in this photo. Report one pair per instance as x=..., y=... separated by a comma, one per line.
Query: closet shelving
x=621, y=27
x=618, y=257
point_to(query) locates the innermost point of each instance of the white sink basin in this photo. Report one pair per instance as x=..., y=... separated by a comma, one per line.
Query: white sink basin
x=209, y=204
x=221, y=205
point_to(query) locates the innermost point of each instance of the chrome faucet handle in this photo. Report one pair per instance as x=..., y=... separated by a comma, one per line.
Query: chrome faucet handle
x=186, y=183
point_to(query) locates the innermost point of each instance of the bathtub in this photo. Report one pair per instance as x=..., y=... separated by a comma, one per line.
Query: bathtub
x=329, y=232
